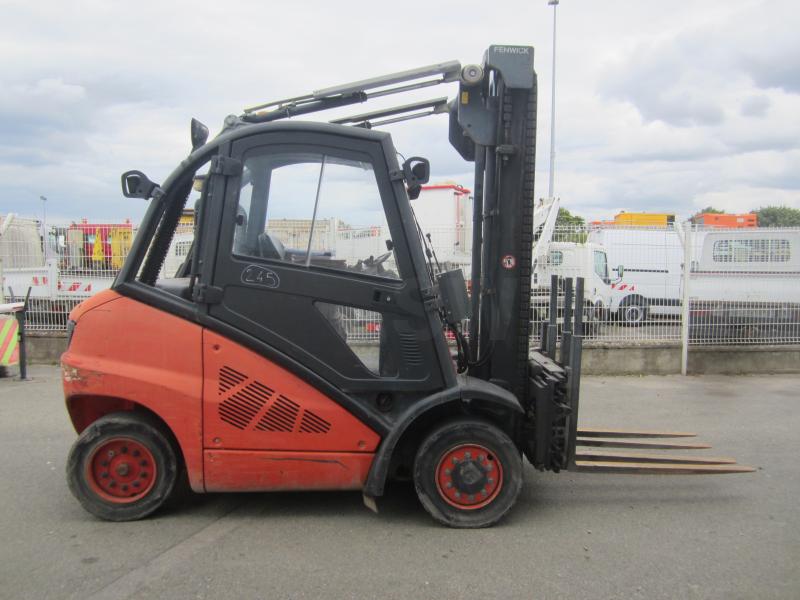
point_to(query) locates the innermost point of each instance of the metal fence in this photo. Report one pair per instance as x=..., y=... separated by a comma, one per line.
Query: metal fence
x=737, y=286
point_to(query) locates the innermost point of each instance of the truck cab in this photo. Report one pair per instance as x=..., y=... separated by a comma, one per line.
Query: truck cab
x=574, y=259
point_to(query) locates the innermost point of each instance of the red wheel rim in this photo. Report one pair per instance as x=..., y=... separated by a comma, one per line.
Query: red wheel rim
x=121, y=470
x=469, y=476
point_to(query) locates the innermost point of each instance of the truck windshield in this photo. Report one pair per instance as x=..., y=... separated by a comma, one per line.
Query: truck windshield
x=601, y=264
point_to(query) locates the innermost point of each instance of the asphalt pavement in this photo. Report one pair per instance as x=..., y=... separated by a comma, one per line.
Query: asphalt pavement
x=570, y=536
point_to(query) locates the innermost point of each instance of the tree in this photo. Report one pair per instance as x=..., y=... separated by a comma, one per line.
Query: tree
x=778, y=216
x=570, y=226
x=566, y=218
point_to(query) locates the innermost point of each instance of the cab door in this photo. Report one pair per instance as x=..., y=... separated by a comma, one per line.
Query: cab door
x=313, y=264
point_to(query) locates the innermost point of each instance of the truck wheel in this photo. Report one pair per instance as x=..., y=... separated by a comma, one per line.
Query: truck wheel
x=633, y=311
x=122, y=467
x=468, y=474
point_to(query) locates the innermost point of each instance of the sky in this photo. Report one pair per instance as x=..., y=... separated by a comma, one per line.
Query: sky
x=660, y=106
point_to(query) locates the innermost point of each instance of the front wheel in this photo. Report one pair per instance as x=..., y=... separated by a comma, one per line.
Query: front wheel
x=633, y=311
x=468, y=474
x=122, y=467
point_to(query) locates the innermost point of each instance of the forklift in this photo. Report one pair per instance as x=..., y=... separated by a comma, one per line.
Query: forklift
x=241, y=371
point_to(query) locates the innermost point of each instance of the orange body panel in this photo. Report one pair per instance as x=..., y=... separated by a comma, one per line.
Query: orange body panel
x=265, y=428
x=253, y=404
x=255, y=471
x=124, y=351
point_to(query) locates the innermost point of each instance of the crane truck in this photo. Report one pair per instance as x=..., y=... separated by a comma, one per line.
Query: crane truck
x=237, y=375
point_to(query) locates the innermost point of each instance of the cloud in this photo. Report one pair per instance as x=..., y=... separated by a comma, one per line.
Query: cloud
x=755, y=106
x=656, y=107
x=683, y=79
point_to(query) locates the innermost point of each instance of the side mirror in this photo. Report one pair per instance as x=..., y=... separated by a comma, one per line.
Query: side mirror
x=199, y=134
x=620, y=271
x=417, y=172
x=135, y=184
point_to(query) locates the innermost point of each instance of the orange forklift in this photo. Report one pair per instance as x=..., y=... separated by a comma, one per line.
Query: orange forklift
x=246, y=369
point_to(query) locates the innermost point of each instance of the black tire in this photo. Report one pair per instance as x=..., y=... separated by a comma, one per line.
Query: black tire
x=501, y=459
x=145, y=435
x=633, y=311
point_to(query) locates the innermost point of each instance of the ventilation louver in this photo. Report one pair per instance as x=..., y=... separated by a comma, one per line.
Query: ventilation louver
x=248, y=398
x=311, y=423
x=281, y=416
x=410, y=348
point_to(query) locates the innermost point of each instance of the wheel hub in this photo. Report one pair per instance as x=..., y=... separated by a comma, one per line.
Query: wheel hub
x=121, y=470
x=469, y=476
x=634, y=313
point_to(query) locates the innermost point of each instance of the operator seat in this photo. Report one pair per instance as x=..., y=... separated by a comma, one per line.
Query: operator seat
x=270, y=246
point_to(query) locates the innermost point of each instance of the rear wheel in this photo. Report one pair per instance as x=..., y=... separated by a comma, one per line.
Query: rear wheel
x=468, y=474
x=122, y=467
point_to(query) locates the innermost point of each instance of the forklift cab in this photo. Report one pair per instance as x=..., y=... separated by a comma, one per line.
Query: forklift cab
x=301, y=242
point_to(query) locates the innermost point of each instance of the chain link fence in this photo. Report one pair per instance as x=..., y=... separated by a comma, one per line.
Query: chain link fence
x=738, y=286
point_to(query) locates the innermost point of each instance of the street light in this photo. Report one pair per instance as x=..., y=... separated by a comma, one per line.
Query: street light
x=44, y=225
x=554, y=4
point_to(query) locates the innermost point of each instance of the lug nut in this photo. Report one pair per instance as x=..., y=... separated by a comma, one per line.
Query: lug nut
x=467, y=454
x=104, y=463
x=112, y=483
x=111, y=454
x=104, y=474
x=124, y=449
x=124, y=488
x=491, y=481
x=458, y=494
x=143, y=475
x=143, y=463
x=449, y=484
x=447, y=471
x=136, y=453
x=135, y=484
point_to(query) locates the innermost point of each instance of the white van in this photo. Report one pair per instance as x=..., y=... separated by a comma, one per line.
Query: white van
x=652, y=260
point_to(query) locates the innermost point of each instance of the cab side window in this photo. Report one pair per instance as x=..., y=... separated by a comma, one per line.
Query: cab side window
x=313, y=210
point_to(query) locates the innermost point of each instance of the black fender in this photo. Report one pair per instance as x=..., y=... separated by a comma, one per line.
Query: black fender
x=466, y=390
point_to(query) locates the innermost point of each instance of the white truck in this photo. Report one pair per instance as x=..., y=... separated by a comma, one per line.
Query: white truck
x=745, y=285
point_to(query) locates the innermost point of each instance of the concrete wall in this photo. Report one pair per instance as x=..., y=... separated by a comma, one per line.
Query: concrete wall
x=735, y=360
x=45, y=349
x=600, y=360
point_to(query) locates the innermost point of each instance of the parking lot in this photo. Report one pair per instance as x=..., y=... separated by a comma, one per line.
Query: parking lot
x=571, y=535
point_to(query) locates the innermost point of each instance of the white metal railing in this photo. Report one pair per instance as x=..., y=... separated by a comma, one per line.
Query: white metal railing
x=741, y=286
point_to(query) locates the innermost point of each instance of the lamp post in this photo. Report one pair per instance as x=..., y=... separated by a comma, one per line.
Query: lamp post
x=44, y=226
x=554, y=4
